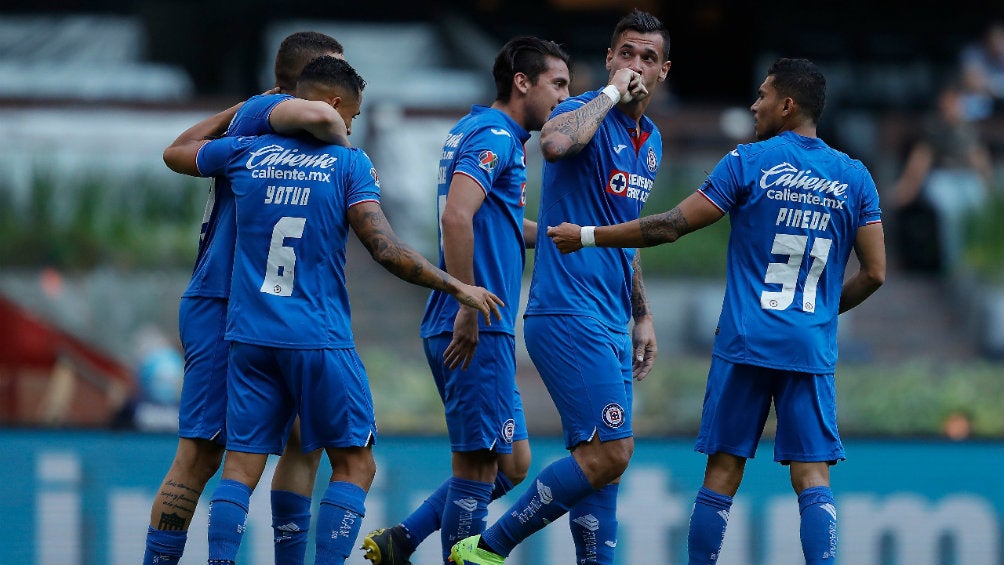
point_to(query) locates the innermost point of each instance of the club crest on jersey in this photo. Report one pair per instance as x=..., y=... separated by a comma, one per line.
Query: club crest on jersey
x=613, y=415
x=376, y=177
x=652, y=161
x=508, y=430
x=617, y=183
x=487, y=160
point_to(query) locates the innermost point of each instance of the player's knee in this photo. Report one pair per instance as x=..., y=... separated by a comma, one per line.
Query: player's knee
x=199, y=459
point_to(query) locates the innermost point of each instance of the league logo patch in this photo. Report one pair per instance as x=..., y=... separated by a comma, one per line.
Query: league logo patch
x=508, y=430
x=376, y=177
x=617, y=183
x=613, y=415
x=652, y=161
x=487, y=160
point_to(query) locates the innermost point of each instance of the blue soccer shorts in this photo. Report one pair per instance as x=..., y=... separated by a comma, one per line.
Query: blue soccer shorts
x=587, y=370
x=269, y=386
x=738, y=399
x=202, y=412
x=483, y=406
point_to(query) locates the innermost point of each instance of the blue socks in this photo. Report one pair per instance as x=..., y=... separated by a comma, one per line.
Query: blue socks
x=819, y=525
x=593, y=523
x=338, y=522
x=465, y=512
x=228, y=514
x=707, y=526
x=164, y=547
x=290, y=525
x=558, y=487
x=428, y=517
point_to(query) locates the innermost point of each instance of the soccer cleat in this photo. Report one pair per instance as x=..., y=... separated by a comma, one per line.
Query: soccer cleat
x=467, y=552
x=385, y=546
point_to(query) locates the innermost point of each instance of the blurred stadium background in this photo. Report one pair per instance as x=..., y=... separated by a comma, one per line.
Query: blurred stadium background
x=97, y=239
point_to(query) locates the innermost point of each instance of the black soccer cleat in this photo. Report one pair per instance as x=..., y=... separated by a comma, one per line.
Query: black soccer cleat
x=386, y=546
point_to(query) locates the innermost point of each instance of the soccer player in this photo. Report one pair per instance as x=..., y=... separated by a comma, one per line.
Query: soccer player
x=202, y=321
x=482, y=197
x=292, y=351
x=602, y=155
x=798, y=207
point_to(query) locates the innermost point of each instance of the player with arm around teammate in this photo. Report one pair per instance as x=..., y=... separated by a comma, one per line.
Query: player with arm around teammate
x=797, y=210
x=202, y=322
x=292, y=351
x=482, y=197
x=602, y=154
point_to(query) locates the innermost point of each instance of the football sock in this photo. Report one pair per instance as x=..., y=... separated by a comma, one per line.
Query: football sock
x=593, y=522
x=501, y=487
x=164, y=547
x=290, y=525
x=465, y=512
x=228, y=514
x=707, y=526
x=819, y=525
x=558, y=487
x=338, y=521
x=426, y=518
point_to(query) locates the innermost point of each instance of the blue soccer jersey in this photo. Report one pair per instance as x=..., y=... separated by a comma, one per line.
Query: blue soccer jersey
x=608, y=182
x=215, y=258
x=795, y=207
x=292, y=195
x=487, y=146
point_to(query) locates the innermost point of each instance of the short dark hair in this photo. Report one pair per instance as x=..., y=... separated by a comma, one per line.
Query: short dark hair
x=296, y=51
x=524, y=54
x=802, y=80
x=642, y=22
x=330, y=71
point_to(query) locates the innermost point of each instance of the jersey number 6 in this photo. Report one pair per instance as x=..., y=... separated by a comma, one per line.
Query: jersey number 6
x=281, y=261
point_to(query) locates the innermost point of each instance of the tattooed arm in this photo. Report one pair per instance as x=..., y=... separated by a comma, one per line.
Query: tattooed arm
x=377, y=235
x=694, y=213
x=643, y=333
x=566, y=134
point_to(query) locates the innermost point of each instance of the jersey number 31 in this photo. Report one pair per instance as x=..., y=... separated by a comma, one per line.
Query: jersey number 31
x=786, y=274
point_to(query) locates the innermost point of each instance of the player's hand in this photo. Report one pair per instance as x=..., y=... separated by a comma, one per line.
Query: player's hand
x=273, y=90
x=645, y=348
x=566, y=237
x=636, y=89
x=627, y=82
x=460, y=352
x=480, y=299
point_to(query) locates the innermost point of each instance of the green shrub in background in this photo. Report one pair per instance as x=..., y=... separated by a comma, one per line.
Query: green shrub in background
x=910, y=399
x=93, y=221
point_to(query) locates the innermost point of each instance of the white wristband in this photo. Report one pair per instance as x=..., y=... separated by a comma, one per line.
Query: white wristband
x=587, y=236
x=612, y=92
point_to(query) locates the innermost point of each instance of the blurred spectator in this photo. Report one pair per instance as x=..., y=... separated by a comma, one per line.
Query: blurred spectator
x=159, y=372
x=982, y=73
x=945, y=179
x=958, y=425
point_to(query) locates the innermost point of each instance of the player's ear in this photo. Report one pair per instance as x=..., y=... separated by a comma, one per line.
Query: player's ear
x=521, y=82
x=333, y=101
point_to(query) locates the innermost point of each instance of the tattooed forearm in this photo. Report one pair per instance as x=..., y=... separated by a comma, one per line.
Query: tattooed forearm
x=393, y=254
x=666, y=227
x=639, y=301
x=568, y=133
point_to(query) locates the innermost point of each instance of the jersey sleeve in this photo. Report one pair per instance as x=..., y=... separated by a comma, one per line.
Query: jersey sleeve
x=871, y=213
x=213, y=157
x=485, y=155
x=252, y=116
x=723, y=187
x=363, y=182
